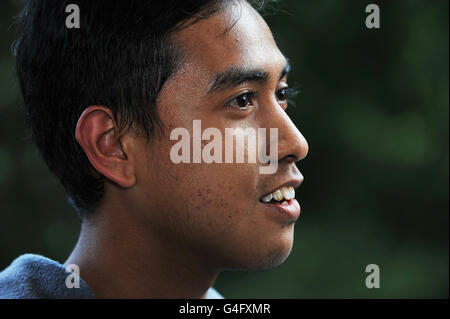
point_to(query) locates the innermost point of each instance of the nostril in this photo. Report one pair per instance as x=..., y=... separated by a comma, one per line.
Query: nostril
x=291, y=158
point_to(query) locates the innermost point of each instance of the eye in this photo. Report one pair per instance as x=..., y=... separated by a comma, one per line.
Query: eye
x=243, y=101
x=282, y=94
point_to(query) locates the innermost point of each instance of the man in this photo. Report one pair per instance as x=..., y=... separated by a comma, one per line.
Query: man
x=102, y=102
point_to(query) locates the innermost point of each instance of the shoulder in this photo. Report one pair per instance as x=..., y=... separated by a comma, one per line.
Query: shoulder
x=33, y=276
x=213, y=294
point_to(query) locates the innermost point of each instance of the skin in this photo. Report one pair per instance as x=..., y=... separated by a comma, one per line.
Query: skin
x=166, y=230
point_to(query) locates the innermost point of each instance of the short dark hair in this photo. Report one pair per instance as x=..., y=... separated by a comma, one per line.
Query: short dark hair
x=120, y=57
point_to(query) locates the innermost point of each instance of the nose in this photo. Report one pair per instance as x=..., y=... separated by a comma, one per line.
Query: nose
x=292, y=145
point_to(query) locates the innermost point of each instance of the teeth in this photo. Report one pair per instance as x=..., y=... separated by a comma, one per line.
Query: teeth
x=286, y=193
x=267, y=198
x=277, y=195
x=292, y=190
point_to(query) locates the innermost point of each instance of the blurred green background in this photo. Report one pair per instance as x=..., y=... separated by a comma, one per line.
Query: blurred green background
x=374, y=108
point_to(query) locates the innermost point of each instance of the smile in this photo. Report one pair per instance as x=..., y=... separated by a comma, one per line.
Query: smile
x=282, y=194
x=282, y=201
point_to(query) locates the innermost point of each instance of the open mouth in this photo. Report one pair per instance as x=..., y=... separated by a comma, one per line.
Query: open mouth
x=281, y=196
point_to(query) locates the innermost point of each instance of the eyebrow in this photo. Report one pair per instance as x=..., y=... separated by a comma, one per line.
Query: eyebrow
x=236, y=75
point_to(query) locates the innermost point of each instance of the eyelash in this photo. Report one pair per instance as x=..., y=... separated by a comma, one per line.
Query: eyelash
x=251, y=95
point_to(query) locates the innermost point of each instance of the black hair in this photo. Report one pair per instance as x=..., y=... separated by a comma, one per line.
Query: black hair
x=120, y=57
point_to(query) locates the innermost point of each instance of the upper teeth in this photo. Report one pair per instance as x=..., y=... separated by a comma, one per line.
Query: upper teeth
x=283, y=192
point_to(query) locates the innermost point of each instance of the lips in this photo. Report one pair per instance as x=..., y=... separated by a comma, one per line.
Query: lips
x=282, y=201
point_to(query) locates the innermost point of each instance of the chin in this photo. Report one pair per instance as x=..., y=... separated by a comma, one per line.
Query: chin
x=265, y=258
x=273, y=261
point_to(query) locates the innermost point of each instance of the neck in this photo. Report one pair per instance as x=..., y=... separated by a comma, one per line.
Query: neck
x=120, y=259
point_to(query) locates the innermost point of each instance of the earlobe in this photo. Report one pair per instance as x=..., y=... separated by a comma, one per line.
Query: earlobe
x=98, y=135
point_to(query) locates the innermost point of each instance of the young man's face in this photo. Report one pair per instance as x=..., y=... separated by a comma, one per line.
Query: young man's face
x=215, y=210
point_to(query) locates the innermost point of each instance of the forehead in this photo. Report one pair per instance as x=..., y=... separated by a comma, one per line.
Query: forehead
x=237, y=35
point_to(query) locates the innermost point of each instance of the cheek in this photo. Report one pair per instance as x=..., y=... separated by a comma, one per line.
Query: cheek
x=201, y=190
x=208, y=197
x=213, y=191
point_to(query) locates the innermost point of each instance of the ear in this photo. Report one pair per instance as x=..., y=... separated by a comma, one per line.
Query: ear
x=108, y=151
